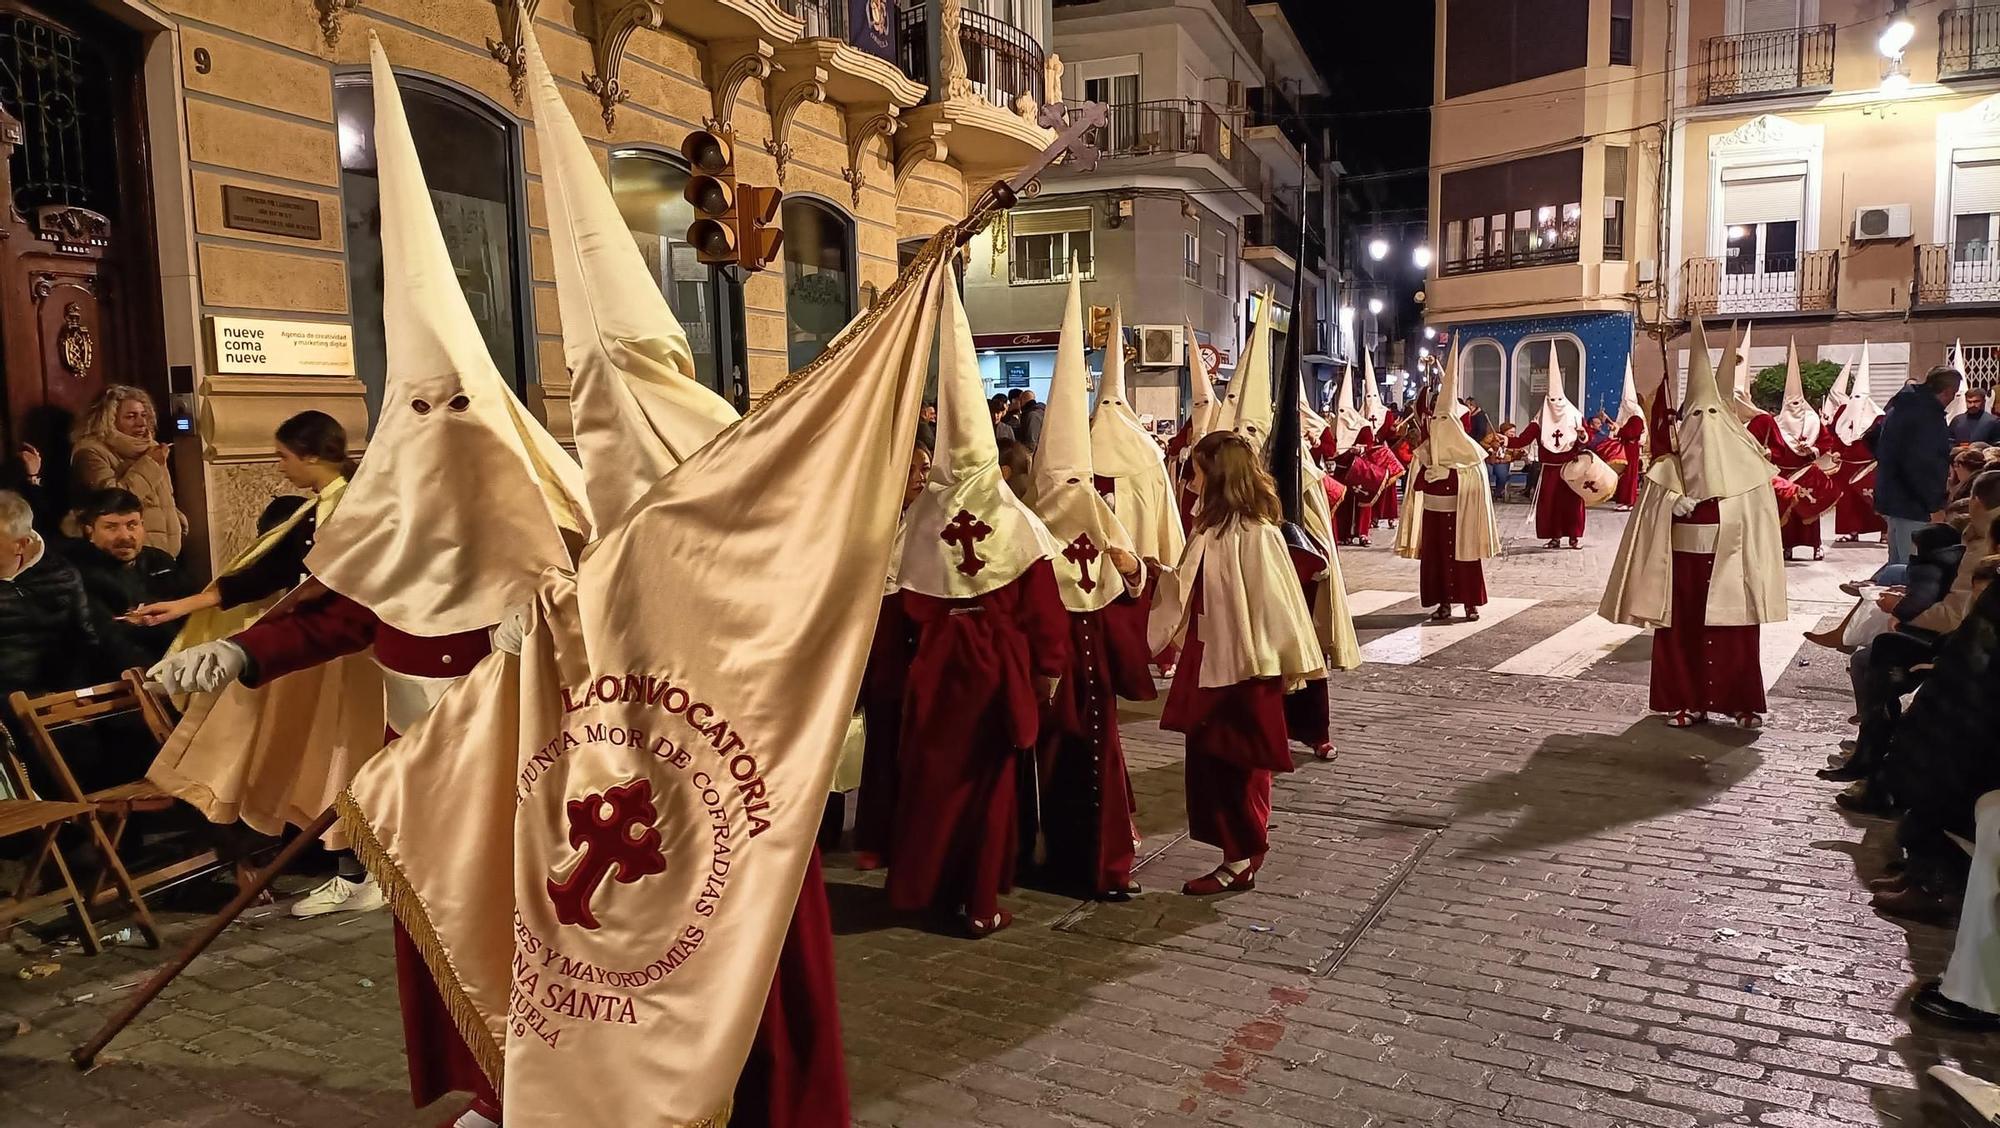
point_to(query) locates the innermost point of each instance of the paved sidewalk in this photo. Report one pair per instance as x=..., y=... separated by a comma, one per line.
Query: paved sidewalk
x=1509, y=902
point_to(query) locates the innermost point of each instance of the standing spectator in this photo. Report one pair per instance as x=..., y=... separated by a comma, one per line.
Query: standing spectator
x=121, y=572
x=927, y=426
x=1476, y=423
x=1913, y=458
x=1977, y=425
x=1029, y=431
x=115, y=447
x=1003, y=432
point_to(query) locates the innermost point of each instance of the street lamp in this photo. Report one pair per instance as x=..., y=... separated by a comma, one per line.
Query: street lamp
x=1430, y=334
x=1898, y=34
x=1375, y=306
x=1422, y=257
x=1378, y=249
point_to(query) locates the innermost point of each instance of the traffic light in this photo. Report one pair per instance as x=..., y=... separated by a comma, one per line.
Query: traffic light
x=1100, y=326
x=712, y=190
x=757, y=223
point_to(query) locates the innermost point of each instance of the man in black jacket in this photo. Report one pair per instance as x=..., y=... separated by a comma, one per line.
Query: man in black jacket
x=121, y=571
x=1913, y=458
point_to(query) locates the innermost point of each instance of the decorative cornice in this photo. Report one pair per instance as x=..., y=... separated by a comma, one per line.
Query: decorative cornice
x=613, y=22
x=791, y=88
x=1768, y=131
x=862, y=124
x=730, y=65
x=515, y=15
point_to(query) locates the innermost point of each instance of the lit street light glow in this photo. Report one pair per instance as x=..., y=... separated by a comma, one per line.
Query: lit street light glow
x=1378, y=249
x=1422, y=257
x=1375, y=305
x=1430, y=334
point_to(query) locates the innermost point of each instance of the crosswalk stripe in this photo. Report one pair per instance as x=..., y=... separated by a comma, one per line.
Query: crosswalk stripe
x=1414, y=644
x=1570, y=651
x=1778, y=642
x=1361, y=603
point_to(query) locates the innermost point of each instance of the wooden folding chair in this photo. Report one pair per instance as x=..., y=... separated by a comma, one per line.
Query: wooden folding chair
x=47, y=714
x=20, y=814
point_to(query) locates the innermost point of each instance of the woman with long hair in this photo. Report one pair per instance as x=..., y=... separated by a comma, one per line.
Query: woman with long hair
x=1246, y=637
x=312, y=455
x=113, y=446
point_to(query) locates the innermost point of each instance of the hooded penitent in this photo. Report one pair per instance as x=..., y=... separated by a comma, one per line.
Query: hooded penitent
x=1741, y=379
x=1798, y=420
x=1246, y=406
x=1957, y=363
x=1372, y=408
x=1560, y=420
x=639, y=410
x=1450, y=450
x=1201, y=392
x=1629, y=407
x=1836, y=395
x=1123, y=450
x=1862, y=410
x=597, y=844
x=967, y=533
x=1065, y=493
x=1714, y=459
x=1348, y=420
x=464, y=499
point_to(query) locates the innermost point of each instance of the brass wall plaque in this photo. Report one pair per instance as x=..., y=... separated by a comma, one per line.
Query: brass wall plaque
x=270, y=213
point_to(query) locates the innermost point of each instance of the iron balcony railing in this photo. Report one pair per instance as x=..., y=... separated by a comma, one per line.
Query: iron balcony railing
x=1002, y=61
x=1509, y=259
x=1760, y=64
x=828, y=19
x=1968, y=42
x=1179, y=126
x=1797, y=282
x=1950, y=274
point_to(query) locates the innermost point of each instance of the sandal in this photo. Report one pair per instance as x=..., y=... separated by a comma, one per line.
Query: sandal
x=1442, y=614
x=1120, y=896
x=1324, y=750
x=1471, y=614
x=981, y=929
x=1686, y=719
x=1222, y=880
x=1752, y=721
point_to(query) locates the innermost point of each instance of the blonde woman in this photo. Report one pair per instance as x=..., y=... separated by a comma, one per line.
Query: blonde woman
x=113, y=447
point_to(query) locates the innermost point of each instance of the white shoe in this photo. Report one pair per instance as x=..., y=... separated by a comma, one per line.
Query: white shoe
x=339, y=895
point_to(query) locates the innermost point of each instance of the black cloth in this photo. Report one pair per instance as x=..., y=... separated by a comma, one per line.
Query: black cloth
x=116, y=587
x=1912, y=456
x=1882, y=672
x=49, y=638
x=1002, y=433
x=1029, y=430
x=1478, y=426
x=1981, y=428
x=278, y=570
x=38, y=495
x=1944, y=757
x=927, y=435
x=1931, y=571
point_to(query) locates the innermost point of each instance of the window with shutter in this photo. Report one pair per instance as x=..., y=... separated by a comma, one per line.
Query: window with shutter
x=1044, y=242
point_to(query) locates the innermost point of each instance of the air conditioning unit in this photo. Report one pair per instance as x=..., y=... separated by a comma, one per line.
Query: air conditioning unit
x=1160, y=346
x=1886, y=221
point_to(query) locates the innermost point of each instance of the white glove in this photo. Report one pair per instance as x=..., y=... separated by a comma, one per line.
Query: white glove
x=512, y=628
x=200, y=669
x=1684, y=505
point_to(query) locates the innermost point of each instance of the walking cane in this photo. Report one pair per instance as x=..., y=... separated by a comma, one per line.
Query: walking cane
x=85, y=1056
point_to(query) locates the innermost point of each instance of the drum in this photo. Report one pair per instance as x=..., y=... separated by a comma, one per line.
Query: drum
x=1815, y=492
x=1590, y=477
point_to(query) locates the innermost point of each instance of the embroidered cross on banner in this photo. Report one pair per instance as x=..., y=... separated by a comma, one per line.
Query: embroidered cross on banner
x=962, y=533
x=1081, y=553
x=603, y=826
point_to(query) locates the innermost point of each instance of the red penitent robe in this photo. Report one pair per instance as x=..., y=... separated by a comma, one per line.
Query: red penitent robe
x=1797, y=467
x=1442, y=578
x=1854, y=513
x=971, y=711
x=1625, y=445
x=882, y=691
x=1236, y=740
x=1559, y=510
x=795, y=1073
x=1696, y=667
x=1362, y=472
x=1086, y=793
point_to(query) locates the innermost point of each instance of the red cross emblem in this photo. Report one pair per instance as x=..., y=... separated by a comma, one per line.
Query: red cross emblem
x=603, y=826
x=962, y=533
x=1081, y=552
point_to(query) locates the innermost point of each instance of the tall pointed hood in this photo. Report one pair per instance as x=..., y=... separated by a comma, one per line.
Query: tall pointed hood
x=1957, y=362
x=1348, y=420
x=1201, y=391
x=639, y=410
x=967, y=533
x=1741, y=379
x=1798, y=420
x=1123, y=450
x=1246, y=406
x=463, y=499
x=1836, y=395
x=1065, y=493
x=1718, y=456
x=1312, y=424
x=1561, y=421
x=1372, y=407
x=1862, y=410
x=1450, y=447
x=1629, y=407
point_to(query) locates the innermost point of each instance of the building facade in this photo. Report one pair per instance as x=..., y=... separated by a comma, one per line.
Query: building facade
x=186, y=173
x=1830, y=187
x=1192, y=212
x=1546, y=136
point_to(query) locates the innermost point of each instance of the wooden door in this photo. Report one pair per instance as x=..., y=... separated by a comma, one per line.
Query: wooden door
x=79, y=304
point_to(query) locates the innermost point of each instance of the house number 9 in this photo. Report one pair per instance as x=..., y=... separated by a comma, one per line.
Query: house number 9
x=203, y=62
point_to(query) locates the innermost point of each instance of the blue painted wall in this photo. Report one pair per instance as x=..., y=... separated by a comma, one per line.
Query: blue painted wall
x=1607, y=344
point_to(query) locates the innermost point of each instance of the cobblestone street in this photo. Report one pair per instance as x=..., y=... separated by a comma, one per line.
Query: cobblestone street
x=1511, y=900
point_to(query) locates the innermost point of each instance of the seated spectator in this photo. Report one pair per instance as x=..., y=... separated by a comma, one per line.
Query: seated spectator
x=122, y=573
x=1499, y=460
x=114, y=447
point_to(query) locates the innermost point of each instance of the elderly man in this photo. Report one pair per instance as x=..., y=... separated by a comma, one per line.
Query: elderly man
x=121, y=571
